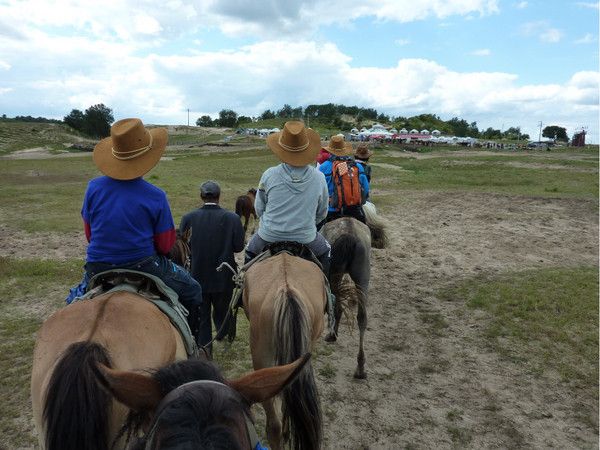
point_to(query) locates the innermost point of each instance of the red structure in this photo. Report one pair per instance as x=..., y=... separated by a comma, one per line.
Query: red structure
x=579, y=139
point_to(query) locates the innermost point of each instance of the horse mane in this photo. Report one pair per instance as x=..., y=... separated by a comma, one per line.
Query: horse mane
x=190, y=418
x=73, y=393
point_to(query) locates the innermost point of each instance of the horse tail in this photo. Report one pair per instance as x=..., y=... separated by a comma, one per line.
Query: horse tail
x=77, y=409
x=342, y=254
x=301, y=407
x=377, y=226
x=239, y=206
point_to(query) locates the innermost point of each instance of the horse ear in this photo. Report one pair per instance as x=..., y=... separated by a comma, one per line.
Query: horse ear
x=135, y=390
x=263, y=384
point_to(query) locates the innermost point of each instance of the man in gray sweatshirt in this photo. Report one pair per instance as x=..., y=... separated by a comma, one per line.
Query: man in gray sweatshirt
x=293, y=196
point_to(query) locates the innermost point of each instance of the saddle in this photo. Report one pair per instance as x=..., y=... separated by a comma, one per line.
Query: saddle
x=152, y=289
x=294, y=249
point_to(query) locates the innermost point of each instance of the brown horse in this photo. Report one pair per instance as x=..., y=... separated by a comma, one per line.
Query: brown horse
x=284, y=300
x=244, y=207
x=350, y=242
x=121, y=330
x=189, y=404
x=181, y=253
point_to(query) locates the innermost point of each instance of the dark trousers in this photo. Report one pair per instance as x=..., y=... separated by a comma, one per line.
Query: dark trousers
x=174, y=276
x=219, y=301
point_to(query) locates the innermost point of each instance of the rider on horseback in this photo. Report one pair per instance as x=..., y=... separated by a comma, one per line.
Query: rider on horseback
x=128, y=221
x=292, y=197
x=347, y=184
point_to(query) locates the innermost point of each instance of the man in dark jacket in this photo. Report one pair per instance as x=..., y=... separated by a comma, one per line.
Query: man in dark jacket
x=216, y=235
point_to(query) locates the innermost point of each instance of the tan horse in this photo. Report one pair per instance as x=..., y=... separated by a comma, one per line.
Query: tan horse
x=284, y=300
x=121, y=331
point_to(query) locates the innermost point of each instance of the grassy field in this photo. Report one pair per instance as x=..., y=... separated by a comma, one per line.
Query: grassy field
x=546, y=318
x=556, y=315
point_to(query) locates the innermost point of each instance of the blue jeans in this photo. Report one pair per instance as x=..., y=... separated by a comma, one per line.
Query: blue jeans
x=174, y=276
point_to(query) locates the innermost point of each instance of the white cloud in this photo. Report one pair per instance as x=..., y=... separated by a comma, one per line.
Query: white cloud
x=402, y=42
x=587, y=39
x=551, y=35
x=481, y=52
x=543, y=31
x=591, y=5
x=521, y=5
x=52, y=74
x=128, y=19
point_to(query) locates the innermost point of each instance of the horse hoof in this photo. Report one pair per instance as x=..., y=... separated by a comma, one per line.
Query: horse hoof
x=360, y=374
x=330, y=337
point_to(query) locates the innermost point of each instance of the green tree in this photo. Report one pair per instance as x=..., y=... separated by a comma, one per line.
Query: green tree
x=285, y=112
x=555, y=132
x=244, y=119
x=75, y=119
x=227, y=118
x=268, y=114
x=204, y=121
x=513, y=133
x=97, y=121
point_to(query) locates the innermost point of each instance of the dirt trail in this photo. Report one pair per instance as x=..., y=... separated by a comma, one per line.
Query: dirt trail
x=432, y=381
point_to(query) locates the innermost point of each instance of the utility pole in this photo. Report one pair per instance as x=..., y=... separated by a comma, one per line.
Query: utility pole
x=540, y=137
x=188, y=116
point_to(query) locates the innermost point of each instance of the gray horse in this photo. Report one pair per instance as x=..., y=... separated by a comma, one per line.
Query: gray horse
x=350, y=254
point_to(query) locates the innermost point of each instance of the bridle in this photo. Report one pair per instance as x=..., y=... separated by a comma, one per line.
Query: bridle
x=185, y=389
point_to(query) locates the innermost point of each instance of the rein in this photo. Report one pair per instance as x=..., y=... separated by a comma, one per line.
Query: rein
x=183, y=390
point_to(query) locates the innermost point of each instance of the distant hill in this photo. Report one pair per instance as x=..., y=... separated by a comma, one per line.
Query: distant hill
x=16, y=135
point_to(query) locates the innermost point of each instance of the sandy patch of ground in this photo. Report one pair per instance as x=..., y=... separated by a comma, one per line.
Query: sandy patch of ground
x=432, y=387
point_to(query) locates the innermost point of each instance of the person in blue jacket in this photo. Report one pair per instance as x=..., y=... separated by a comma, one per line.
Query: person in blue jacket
x=341, y=151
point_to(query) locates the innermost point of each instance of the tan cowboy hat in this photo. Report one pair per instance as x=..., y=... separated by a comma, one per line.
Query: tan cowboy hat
x=295, y=145
x=131, y=150
x=362, y=151
x=338, y=146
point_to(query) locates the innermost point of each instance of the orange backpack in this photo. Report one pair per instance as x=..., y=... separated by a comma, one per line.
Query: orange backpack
x=347, y=190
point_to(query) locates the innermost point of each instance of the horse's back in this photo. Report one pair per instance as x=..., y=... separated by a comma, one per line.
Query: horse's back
x=134, y=332
x=124, y=322
x=276, y=279
x=283, y=270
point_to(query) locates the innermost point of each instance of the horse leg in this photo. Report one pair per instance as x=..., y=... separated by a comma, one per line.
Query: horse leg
x=361, y=318
x=273, y=425
x=361, y=274
x=335, y=283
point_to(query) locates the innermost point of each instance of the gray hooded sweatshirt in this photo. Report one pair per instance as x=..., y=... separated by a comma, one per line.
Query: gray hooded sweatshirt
x=290, y=202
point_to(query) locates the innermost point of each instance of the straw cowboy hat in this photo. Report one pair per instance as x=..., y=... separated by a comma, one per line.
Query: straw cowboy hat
x=131, y=150
x=295, y=145
x=362, y=152
x=338, y=146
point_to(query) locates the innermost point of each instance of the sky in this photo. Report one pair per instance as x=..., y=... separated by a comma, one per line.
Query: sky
x=499, y=63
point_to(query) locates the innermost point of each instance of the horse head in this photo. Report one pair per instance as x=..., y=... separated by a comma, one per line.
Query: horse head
x=189, y=402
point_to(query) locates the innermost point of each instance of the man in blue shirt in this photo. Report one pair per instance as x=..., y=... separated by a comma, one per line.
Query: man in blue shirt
x=128, y=221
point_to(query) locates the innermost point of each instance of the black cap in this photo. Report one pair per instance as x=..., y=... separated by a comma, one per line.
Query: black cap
x=210, y=189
